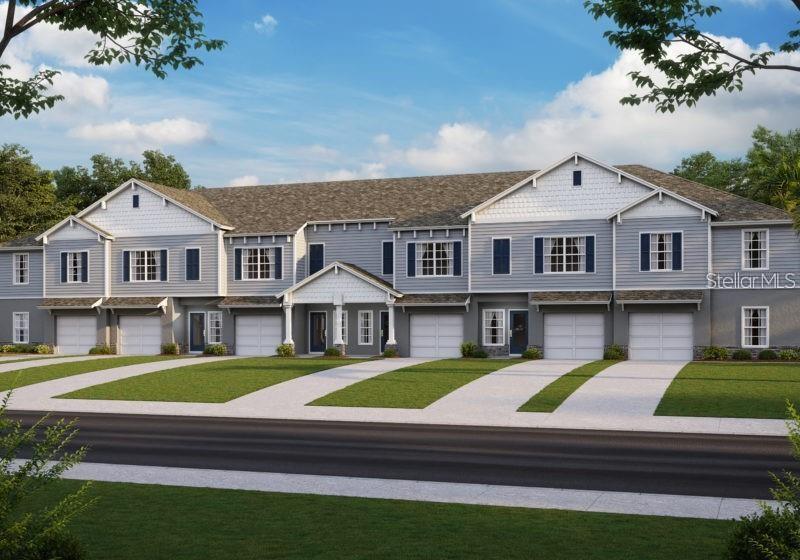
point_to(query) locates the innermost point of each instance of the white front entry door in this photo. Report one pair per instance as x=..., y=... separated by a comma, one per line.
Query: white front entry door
x=574, y=336
x=436, y=335
x=660, y=336
x=258, y=335
x=76, y=334
x=139, y=334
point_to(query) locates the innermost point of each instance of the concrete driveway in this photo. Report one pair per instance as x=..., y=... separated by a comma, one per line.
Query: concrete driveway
x=45, y=360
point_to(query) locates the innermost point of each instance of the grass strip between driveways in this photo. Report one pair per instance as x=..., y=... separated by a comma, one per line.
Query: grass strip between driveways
x=414, y=386
x=29, y=376
x=551, y=397
x=135, y=521
x=732, y=390
x=212, y=382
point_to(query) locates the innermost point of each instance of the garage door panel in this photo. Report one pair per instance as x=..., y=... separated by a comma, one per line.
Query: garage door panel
x=140, y=334
x=258, y=335
x=76, y=334
x=660, y=336
x=569, y=336
x=436, y=335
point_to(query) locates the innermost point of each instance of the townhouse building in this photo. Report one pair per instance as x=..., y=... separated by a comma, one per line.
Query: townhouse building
x=571, y=259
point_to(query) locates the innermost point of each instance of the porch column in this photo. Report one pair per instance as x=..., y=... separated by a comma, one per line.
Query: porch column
x=287, y=311
x=337, y=325
x=391, y=340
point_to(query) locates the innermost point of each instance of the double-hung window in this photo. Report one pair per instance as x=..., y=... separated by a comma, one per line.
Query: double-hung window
x=660, y=251
x=74, y=267
x=755, y=249
x=755, y=327
x=258, y=263
x=365, y=327
x=21, y=268
x=435, y=258
x=146, y=265
x=21, y=326
x=214, y=319
x=565, y=254
x=494, y=327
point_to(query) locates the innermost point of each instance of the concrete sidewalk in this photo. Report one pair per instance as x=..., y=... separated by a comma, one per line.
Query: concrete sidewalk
x=7, y=366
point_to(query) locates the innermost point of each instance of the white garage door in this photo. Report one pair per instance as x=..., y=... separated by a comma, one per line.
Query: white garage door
x=436, y=336
x=660, y=336
x=76, y=335
x=573, y=336
x=258, y=335
x=140, y=334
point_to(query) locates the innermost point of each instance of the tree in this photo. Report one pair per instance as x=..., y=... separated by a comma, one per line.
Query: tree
x=28, y=202
x=157, y=34
x=82, y=187
x=701, y=66
x=706, y=168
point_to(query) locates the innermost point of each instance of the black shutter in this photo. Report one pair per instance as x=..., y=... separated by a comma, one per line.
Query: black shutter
x=501, y=256
x=126, y=266
x=644, y=252
x=411, y=260
x=163, y=265
x=590, y=253
x=538, y=255
x=193, y=264
x=136, y=201
x=278, y=263
x=677, y=251
x=576, y=178
x=237, y=264
x=316, y=258
x=63, y=267
x=84, y=267
x=456, y=258
x=388, y=257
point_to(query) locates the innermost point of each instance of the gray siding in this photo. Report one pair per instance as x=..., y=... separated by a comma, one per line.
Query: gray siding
x=695, y=254
x=34, y=286
x=362, y=247
x=784, y=249
x=95, y=285
x=423, y=284
x=259, y=287
x=39, y=320
x=176, y=283
x=522, y=277
x=726, y=315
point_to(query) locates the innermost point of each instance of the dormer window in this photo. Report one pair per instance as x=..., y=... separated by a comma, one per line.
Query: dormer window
x=136, y=201
x=577, y=178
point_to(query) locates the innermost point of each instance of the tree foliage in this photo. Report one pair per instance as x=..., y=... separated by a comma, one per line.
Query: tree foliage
x=701, y=66
x=28, y=201
x=82, y=186
x=157, y=34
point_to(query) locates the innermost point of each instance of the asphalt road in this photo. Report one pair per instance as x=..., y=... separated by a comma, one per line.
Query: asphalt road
x=710, y=465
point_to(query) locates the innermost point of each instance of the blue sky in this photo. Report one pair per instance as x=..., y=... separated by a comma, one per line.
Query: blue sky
x=334, y=90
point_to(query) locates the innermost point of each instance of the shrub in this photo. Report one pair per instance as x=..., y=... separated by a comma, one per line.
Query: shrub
x=468, y=349
x=716, y=353
x=60, y=545
x=101, y=349
x=768, y=354
x=742, y=354
x=43, y=349
x=285, y=350
x=6, y=349
x=480, y=353
x=390, y=353
x=614, y=352
x=333, y=352
x=789, y=355
x=170, y=349
x=532, y=354
x=215, y=350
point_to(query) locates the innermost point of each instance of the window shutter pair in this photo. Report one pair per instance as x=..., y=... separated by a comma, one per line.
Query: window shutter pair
x=677, y=251
x=237, y=263
x=538, y=254
x=411, y=259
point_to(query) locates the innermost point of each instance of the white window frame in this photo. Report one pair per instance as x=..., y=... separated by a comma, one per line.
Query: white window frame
x=765, y=249
x=21, y=327
x=418, y=258
x=272, y=268
x=581, y=254
x=213, y=332
x=365, y=331
x=157, y=268
x=393, y=256
x=199, y=263
x=745, y=309
x=671, y=251
x=77, y=266
x=344, y=327
x=26, y=259
x=510, y=260
x=486, y=328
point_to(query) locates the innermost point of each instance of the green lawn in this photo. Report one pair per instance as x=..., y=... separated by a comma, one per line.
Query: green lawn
x=551, y=397
x=211, y=382
x=29, y=376
x=413, y=386
x=732, y=390
x=131, y=522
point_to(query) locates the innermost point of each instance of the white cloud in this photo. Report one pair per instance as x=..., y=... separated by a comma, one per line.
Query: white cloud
x=266, y=25
x=243, y=181
x=586, y=116
x=372, y=170
x=382, y=139
x=134, y=136
x=78, y=89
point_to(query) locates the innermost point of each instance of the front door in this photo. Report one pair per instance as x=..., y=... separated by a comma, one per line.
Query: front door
x=384, y=329
x=316, y=331
x=197, y=332
x=519, y=331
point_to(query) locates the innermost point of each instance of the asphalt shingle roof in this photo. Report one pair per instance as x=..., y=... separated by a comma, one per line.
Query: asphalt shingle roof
x=23, y=241
x=191, y=199
x=623, y=296
x=433, y=299
x=571, y=297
